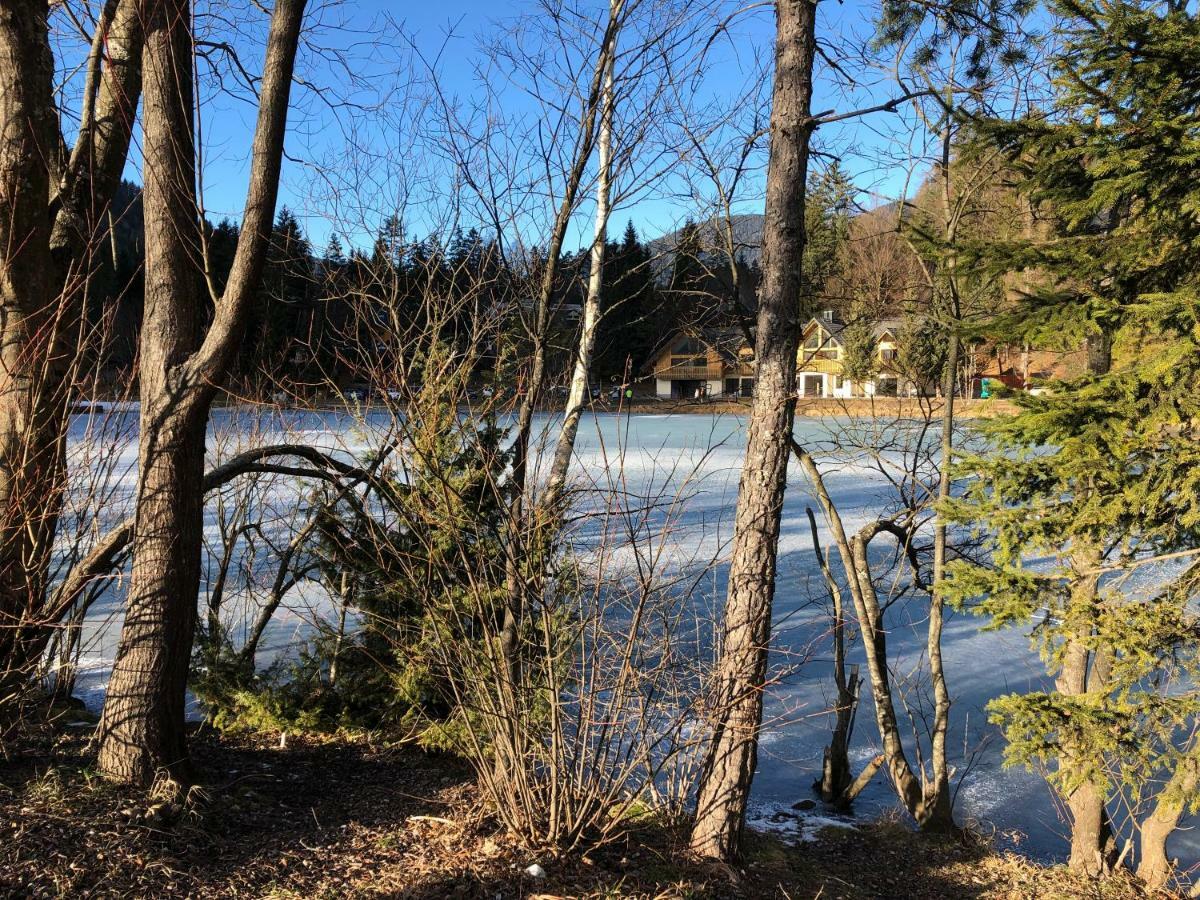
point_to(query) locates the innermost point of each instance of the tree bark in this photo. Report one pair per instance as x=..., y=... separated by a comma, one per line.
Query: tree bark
x=1083, y=672
x=52, y=215
x=1155, y=869
x=142, y=729
x=1093, y=846
x=578, y=393
x=28, y=142
x=937, y=808
x=741, y=670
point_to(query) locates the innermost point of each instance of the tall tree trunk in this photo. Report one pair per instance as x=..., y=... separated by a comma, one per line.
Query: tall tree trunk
x=578, y=393
x=938, y=811
x=65, y=203
x=142, y=729
x=28, y=144
x=741, y=669
x=1083, y=672
x=1093, y=845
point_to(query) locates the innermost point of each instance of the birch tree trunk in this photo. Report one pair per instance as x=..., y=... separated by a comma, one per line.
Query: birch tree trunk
x=142, y=729
x=741, y=669
x=578, y=394
x=517, y=585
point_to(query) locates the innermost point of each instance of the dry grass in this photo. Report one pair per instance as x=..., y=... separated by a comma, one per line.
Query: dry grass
x=349, y=818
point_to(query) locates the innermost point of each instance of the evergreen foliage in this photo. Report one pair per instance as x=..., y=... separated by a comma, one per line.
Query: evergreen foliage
x=1090, y=485
x=827, y=229
x=418, y=575
x=921, y=352
x=860, y=360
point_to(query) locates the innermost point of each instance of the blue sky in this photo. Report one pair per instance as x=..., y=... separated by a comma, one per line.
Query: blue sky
x=360, y=54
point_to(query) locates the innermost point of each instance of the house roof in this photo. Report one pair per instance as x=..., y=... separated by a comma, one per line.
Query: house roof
x=727, y=341
x=836, y=326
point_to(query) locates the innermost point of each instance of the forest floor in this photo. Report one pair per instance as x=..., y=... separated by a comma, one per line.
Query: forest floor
x=349, y=818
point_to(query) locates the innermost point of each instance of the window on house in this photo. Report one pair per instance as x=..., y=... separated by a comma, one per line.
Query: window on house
x=819, y=345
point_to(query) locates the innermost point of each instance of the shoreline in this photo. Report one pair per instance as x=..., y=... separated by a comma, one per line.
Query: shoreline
x=816, y=408
x=806, y=407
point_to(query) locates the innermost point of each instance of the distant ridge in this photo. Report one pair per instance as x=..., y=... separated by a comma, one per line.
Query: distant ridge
x=747, y=238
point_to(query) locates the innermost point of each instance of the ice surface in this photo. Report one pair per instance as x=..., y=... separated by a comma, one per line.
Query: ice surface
x=686, y=469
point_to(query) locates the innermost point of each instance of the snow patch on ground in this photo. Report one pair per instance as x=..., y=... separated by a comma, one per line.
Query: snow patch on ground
x=800, y=825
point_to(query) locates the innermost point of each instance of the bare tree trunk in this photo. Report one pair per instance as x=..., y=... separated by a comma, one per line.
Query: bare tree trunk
x=591, y=309
x=51, y=211
x=142, y=729
x=1155, y=869
x=28, y=137
x=517, y=586
x=937, y=808
x=1093, y=847
x=835, y=769
x=344, y=602
x=741, y=670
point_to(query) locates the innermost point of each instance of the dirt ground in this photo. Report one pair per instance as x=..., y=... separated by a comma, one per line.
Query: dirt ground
x=351, y=818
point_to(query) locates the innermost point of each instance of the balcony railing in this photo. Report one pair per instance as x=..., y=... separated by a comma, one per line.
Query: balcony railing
x=742, y=370
x=689, y=372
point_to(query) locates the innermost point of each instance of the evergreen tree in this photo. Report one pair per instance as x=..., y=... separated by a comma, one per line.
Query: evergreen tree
x=827, y=229
x=860, y=361
x=633, y=313
x=921, y=353
x=334, y=256
x=685, y=294
x=422, y=581
x=1097, y=479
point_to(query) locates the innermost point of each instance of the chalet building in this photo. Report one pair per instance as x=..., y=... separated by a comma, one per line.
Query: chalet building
x=820, y=367
x=719, y=362
x=710, y=363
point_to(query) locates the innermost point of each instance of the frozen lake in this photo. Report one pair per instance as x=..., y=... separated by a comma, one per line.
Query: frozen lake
x=698, y=459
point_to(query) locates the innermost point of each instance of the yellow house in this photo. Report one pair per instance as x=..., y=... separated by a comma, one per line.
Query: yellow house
x=820, y=366
x=710, y=363
x=720, y=362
